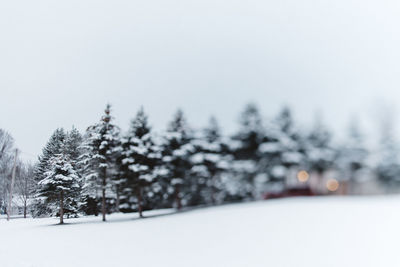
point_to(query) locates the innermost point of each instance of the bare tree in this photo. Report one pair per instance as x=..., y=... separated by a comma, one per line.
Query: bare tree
x=6, y=161
x=25, y=184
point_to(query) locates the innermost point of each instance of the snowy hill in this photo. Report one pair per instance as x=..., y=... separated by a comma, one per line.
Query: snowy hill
x=292, y=232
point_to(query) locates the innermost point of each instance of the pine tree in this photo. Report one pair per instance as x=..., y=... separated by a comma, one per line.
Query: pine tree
x=176, y=157
x=98, y=160
x=248, y=140
x=282, y=149
x=209, y=161
x=53, y=147
x=320, y=155
x=60, y=187
x=352, y=157
x=388, y=163
x=139, y=160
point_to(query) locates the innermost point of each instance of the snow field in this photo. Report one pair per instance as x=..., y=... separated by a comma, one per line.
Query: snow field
x=328, y=231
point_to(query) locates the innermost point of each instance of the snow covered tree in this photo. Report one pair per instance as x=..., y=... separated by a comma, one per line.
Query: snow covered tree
x=59, y=187
x=53, y=147
x=282, y=149
x=176, y=157
x=320, y=155
x=98, y=159
x=247, y=142
x=387, y=168
x=209, y=161
x=139, y=160
x=352, y=157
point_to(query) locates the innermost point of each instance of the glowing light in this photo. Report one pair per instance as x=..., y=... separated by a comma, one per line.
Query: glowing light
x=303, y=176
x=332, y=185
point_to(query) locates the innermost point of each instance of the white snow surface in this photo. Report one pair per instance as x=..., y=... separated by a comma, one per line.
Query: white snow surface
x=330, y=231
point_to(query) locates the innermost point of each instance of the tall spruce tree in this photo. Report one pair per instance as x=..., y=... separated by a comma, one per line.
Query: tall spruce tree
x=283, y=148
x=248, y=140
x=139, y=160
x=387, y=168
x=209, y=161
x=176, y=157
x=52, y=148
x=352, y=157
x=320, y=154
x=101, y=142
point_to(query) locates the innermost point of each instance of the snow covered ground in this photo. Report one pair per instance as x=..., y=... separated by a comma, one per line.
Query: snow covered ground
x=308, y=232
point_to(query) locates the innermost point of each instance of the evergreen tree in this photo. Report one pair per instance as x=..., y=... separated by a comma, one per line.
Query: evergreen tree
x=320, y=154
x=60, y=187
x=98, y=160
x=209, y=161
x=352, y=157
x=53, y=147
x=388, y=164
x=139, y=159
x=248, y=140
x=176, y=157
x=282, y=149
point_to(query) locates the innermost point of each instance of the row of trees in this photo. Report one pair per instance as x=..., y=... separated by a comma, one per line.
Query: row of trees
x=105, y=170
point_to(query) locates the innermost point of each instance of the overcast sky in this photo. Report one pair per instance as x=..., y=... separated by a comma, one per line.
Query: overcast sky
x=62, y=61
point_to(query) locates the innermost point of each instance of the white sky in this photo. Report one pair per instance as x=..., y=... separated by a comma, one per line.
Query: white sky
x=62, y=61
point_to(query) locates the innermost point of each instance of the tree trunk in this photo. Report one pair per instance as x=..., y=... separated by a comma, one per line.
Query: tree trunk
x=213, y=190
x=178, y=197
x=26, y=195
x=321, y=186
x=118, y=199
x=61, y=207
x=25, y=208
x=351, y=184
x=139, y=197
x=103, y=194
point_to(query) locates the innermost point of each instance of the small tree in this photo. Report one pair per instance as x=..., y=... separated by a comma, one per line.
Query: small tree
x=60, y=185
x=25, y=184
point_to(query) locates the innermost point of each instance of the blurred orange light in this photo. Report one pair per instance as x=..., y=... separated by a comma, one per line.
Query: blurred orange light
x=303, y=176
x=332, y=185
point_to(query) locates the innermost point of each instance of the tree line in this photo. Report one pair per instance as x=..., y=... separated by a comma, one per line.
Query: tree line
x=105, y=170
